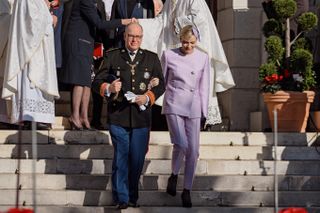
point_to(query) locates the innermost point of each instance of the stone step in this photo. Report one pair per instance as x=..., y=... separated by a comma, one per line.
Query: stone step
x=206, y=138
x=204, y=167
x=159, y=182
x=160, y=198
x=105, y=151
x=158, y=209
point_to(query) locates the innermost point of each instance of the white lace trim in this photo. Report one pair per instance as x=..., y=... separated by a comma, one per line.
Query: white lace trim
x=214, y=116
x=37, y=106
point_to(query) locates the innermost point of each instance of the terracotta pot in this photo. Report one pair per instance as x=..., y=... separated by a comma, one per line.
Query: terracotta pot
x=292, y=107
x=315, y=120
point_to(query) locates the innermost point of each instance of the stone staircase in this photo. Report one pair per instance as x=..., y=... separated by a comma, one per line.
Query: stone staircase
x=234, y=173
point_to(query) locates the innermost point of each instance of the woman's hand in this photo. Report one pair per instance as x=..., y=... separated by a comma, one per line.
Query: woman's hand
x=153, y=83
x=47, y=3
x=128, y=21
x=134, y=20
x=54, y=3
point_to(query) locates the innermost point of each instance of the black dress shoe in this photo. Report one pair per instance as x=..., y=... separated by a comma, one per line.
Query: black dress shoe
x=186, y=198
x=122, y=206
x=133, y=205
x=172, y=185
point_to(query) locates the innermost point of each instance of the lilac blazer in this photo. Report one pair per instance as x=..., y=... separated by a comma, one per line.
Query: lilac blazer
x=187, y=79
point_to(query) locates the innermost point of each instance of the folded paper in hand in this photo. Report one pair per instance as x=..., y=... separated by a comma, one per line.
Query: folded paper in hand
x=131, y=97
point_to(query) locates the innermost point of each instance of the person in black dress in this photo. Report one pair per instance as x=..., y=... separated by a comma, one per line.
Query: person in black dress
x=78, y=55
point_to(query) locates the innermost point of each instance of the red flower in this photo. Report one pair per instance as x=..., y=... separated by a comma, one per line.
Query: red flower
x=268, y=78
x=286, y=73
x=271, y=79
x=274, y=76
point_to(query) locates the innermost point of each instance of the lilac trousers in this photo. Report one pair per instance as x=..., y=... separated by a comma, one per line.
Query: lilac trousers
x=185, y=136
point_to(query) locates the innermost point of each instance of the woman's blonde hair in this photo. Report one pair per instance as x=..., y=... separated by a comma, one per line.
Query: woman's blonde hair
x=186, y=32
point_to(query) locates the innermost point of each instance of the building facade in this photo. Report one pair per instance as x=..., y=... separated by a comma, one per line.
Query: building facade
x=239, y=24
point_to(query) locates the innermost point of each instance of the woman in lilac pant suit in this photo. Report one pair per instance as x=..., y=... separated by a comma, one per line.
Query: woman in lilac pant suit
x=186, y=73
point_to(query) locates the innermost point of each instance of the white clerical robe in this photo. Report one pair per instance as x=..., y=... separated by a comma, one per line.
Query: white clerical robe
x=30, y=79
x=162, y=33
x=5, y=15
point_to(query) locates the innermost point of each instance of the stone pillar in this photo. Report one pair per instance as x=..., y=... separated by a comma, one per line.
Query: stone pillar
x=239, y=25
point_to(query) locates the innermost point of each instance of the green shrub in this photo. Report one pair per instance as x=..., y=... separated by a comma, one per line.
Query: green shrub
x=307, y=21
x=285, y=8
x=302, y=43
x=274, y=48
x=272, y=27
x=300, y=60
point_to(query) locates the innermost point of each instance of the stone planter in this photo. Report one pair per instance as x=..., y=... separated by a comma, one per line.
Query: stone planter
x=292, y=107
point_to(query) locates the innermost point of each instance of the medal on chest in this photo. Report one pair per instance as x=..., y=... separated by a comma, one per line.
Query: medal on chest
x=133, y=67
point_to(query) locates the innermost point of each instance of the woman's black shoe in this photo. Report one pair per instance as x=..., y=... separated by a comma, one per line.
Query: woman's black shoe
x=89, y=129
x=186, y=198
x=73, y=126
x=172, y=185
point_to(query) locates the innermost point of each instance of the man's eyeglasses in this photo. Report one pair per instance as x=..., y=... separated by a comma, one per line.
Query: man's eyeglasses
x=130, y=36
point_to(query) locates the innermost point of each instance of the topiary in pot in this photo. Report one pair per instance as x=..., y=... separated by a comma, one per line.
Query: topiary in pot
x=290, y=73
x=294, y=73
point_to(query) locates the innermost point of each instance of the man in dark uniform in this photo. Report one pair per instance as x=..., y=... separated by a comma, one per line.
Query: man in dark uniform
x=125, y=70
x=120, y=9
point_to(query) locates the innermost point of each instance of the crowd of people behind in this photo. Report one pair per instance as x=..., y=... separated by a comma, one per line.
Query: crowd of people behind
x=150, y=46
x=78, y=26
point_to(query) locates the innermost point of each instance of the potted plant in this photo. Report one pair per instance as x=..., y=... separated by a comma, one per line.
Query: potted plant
x=287, y=77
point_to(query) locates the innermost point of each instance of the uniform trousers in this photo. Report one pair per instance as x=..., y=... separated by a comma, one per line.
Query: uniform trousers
x=130, y=147
x=185, y=136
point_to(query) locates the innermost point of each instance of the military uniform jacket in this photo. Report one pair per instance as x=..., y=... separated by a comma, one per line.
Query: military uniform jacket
x=135, y=77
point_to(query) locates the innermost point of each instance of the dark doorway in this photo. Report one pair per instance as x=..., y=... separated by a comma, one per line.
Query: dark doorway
x=212, y=4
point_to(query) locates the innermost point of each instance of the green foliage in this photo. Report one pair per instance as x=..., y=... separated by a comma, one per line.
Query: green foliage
x=307, y=21
x=302, y=43
x=301, y=63
x=295, y=72
x=285, y=8
x=267, y=69
x=269, y=77
x=300, y=60
x=272, y=27
x=274, y=48
x=309, y=81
